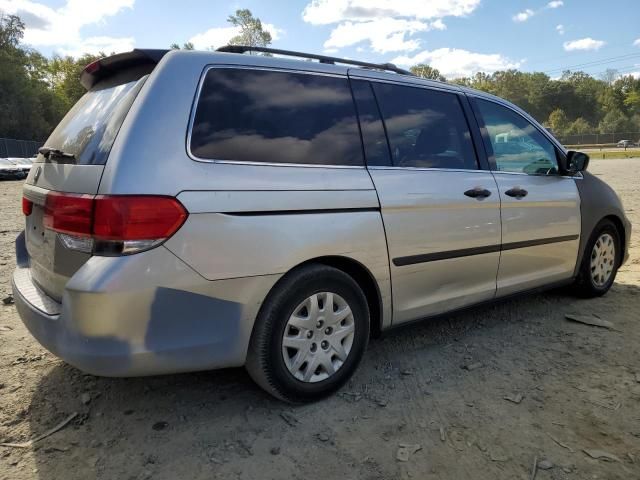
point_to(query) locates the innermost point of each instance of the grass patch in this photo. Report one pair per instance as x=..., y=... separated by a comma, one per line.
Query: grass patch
x=614, y=153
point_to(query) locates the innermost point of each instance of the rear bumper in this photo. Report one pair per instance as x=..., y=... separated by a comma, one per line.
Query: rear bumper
x=145, y=314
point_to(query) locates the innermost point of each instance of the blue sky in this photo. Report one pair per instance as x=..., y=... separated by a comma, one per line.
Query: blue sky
x=459, y=37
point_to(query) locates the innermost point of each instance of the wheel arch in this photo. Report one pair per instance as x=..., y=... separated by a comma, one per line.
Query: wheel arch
x=362, y=276
x=619, y=224
x=598, y=201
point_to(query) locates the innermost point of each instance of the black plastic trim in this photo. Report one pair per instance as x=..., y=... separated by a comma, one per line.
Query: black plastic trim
x=321, y=58
x=263, y=213
x=467, y=252
x=476, y=134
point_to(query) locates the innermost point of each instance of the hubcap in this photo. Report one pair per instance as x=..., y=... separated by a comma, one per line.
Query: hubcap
x=318, y=337
x=603, y=259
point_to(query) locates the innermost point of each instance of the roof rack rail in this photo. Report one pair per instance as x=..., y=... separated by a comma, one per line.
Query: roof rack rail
x=321, y=58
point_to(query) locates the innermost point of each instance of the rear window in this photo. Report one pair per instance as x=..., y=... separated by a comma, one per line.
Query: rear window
x=276, y=117
x=89, y=129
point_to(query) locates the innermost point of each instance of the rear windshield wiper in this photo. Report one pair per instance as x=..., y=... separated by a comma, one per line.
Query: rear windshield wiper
x=50, y=153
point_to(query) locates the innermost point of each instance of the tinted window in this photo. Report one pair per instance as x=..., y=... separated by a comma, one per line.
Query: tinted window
x=426, y=128
x=376, y=147
x=276, y=117
x=517, y=145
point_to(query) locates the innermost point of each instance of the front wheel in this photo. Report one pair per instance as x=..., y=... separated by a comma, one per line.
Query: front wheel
x=600, y=262
x=310, y=334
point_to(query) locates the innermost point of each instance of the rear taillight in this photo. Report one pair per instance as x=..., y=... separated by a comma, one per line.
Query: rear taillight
x=113, y=224
x=137, y=217
x=68, y=213
x=27, y=206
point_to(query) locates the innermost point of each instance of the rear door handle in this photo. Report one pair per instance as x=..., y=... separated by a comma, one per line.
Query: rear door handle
x=478, y=193
x=516, y=192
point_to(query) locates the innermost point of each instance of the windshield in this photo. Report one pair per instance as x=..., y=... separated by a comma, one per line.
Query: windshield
x=88, y=131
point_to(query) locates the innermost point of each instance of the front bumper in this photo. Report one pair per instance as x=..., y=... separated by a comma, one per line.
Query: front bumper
x=144, y=314
x=627, y=242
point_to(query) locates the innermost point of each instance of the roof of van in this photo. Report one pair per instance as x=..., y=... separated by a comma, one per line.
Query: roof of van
x=108, y=66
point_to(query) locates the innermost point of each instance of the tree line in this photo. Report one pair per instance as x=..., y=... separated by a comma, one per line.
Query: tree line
x=574, y=104
x=36, y=91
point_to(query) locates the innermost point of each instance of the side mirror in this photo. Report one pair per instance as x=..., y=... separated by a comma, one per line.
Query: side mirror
x=575, y=162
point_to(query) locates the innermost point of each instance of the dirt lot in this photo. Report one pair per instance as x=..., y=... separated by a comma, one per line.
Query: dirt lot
x=580, y=389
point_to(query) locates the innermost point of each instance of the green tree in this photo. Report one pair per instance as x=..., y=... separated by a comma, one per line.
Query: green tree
x=251, y=31
x=11, y=32
x=65, y=76
x=579, y=127
x=29, y=107
x=423, y=70
x=615, y=122
x=632, y=102
x=558, y=122
x=185, y=46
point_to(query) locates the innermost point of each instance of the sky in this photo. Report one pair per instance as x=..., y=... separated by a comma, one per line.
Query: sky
x=458, y=37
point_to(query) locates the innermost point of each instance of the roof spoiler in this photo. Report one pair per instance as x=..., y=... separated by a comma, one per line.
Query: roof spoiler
x=105, y=67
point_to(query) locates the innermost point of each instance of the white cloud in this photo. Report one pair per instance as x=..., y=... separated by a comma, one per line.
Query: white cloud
x=218, y=36
x=386, y=25
x=454, y=62
x=637, y=43
x=276, y=33
x=384, y=34
x=583, y=44
x=323, y=12
x=214, y=37
x=523, y=16
x=95, y=45
x=560, y=29
x=60, y=27
x=528, y=13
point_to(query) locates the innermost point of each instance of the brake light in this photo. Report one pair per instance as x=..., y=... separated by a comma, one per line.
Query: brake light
x=92, y=67
x=113, y=224
x=137, y=217
x=68, y=213
x=27, y=206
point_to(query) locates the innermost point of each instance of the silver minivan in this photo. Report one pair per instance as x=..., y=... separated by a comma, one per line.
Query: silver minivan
x=201, y=210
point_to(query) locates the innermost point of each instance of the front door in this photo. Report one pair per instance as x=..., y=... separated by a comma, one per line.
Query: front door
x=441, y=212
x=540, y=207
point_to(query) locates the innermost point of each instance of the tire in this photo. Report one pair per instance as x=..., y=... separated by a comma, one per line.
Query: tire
x=316, y=340
x=589, y=284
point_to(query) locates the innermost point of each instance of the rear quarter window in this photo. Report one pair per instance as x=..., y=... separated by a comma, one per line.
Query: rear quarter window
x=275, y=117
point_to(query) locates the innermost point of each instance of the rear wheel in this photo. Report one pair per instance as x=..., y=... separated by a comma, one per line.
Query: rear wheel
x=600, y=261
x=310, y=334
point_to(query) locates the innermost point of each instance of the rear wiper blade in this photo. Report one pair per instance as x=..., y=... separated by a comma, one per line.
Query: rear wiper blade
x=49, y=152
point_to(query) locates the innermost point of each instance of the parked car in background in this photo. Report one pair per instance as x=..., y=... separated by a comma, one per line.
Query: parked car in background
x=625, y=144
x=201, y=210
x=9, y=170
x=24, y=164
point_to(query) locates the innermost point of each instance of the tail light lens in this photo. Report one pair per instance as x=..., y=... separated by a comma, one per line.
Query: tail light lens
x=68, y=213
x=27, y=206
x=114, y=224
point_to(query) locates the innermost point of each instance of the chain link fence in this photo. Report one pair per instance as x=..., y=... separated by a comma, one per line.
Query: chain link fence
x=599, y=139
x=10, y=147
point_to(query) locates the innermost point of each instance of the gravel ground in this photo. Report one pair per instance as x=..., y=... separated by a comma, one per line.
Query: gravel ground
x=482, y=395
